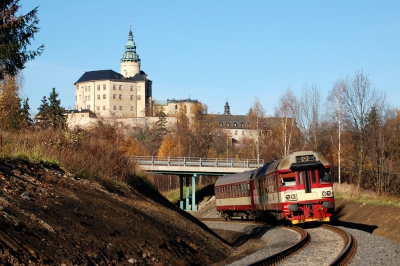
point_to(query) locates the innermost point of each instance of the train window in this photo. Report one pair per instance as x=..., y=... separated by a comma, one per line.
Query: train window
x=314, y=179
x=288, y=179
x=324, y=176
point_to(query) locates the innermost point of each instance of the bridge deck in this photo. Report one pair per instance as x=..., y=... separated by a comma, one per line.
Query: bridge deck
x=190, y=165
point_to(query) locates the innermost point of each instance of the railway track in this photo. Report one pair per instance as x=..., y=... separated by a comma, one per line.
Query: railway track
x=344, y=257
x=319, y=247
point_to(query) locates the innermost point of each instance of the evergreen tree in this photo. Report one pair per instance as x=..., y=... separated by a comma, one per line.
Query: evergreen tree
x=51, y=114
x=26, y=119
x=16, y=33
x=42, y=117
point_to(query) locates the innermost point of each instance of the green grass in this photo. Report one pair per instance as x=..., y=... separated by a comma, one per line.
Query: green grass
x=349, y=192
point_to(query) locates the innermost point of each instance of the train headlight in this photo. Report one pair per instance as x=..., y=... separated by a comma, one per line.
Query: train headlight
x=328, y=193
x=323, y=193
x=287, y=197
x=293, y=196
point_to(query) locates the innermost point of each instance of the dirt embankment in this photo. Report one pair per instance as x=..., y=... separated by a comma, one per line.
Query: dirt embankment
x=48, y=216
x=376, y=219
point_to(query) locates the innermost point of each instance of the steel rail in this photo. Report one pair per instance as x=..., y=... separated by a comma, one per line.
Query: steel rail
x=282, y=255
x=349, y=249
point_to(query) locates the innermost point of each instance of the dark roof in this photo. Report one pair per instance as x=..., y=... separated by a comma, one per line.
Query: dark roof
x=231, y=118
x=110, y=75
x=99, y=75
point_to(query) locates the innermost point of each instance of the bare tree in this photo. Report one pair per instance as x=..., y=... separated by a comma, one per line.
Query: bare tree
x=257, y=123
x=309, y=116
x=359, y=97
x=286, y=113
x=335, y=97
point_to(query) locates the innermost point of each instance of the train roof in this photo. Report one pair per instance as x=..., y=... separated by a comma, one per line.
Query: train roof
x=295, y=160
x=235, y=178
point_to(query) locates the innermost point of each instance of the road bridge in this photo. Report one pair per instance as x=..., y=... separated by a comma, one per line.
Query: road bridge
x=186, y=167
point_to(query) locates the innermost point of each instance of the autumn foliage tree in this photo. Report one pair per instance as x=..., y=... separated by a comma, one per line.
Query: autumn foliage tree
x=14, y=113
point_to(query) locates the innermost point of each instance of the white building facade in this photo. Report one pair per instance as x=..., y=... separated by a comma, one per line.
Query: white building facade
x=108, y=93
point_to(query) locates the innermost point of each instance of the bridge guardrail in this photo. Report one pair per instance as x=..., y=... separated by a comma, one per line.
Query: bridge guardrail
x=200, y=162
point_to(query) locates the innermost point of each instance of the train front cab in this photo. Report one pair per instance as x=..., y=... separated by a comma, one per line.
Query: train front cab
x=307, y=194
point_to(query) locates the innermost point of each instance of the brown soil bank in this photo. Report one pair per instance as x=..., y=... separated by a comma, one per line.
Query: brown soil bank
x=49, y=217
x=376, y=219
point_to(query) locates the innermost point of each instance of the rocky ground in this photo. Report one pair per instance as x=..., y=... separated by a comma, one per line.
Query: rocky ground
x=48, y=216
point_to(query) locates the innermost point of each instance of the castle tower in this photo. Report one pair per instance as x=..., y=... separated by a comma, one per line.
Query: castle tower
x=227, y=109
x=130, y=62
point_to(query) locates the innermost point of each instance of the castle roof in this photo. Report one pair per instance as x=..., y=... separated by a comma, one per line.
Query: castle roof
x=110, y=75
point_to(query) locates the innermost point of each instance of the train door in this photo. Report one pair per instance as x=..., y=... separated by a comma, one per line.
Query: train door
x=307, y=179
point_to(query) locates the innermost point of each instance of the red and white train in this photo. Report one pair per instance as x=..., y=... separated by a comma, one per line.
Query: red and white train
x=297, y=187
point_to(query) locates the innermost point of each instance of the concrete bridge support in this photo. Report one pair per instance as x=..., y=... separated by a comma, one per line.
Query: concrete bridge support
x=187, y=196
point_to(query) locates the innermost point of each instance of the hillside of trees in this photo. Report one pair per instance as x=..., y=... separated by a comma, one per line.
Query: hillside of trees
x=355, y=127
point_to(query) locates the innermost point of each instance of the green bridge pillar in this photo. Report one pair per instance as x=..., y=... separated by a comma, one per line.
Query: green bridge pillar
x=181, y=192
x=187, y=193
x=185, y=204
x=194, y=207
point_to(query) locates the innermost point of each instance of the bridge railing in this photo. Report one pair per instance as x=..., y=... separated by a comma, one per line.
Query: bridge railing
x=199, y=162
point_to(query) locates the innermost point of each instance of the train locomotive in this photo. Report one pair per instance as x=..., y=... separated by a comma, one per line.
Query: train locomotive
x=297, y=188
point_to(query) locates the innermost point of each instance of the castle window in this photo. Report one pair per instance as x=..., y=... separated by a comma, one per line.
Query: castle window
x=88, y=88
x=120, y=97
x=139, y=97
x=85, y=88
x=114, y=96
x=227, y=124
x=114, y=87
x=132, y=97
x=98, y=96
x=236, y=132
x=104, y=87
x=221, y=124
x=104, y=107
x=104, y=96
x=235, y=125
x=98, y=108
x=115, y=107
x=85, y=98
x=120, y=87
x=120, y=108
x=132, y=108
x=131, y=88
x=88, y=98
x=98, y=87
x=176, y=106
x=242, y=125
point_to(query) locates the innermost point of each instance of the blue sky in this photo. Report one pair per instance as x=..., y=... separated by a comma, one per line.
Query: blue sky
x=217, y=50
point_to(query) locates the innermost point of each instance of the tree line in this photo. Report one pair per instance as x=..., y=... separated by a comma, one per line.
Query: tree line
x=354, y=127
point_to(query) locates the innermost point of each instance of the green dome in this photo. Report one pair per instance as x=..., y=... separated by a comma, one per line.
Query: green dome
x=130, y=54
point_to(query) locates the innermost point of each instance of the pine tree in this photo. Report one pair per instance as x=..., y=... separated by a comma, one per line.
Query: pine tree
x=51, y=114
x=16, y=33
x=57, y=117
x=42, y=119
x=26, y=119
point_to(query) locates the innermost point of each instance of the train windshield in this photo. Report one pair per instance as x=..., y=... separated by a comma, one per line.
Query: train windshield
x=324, y=176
